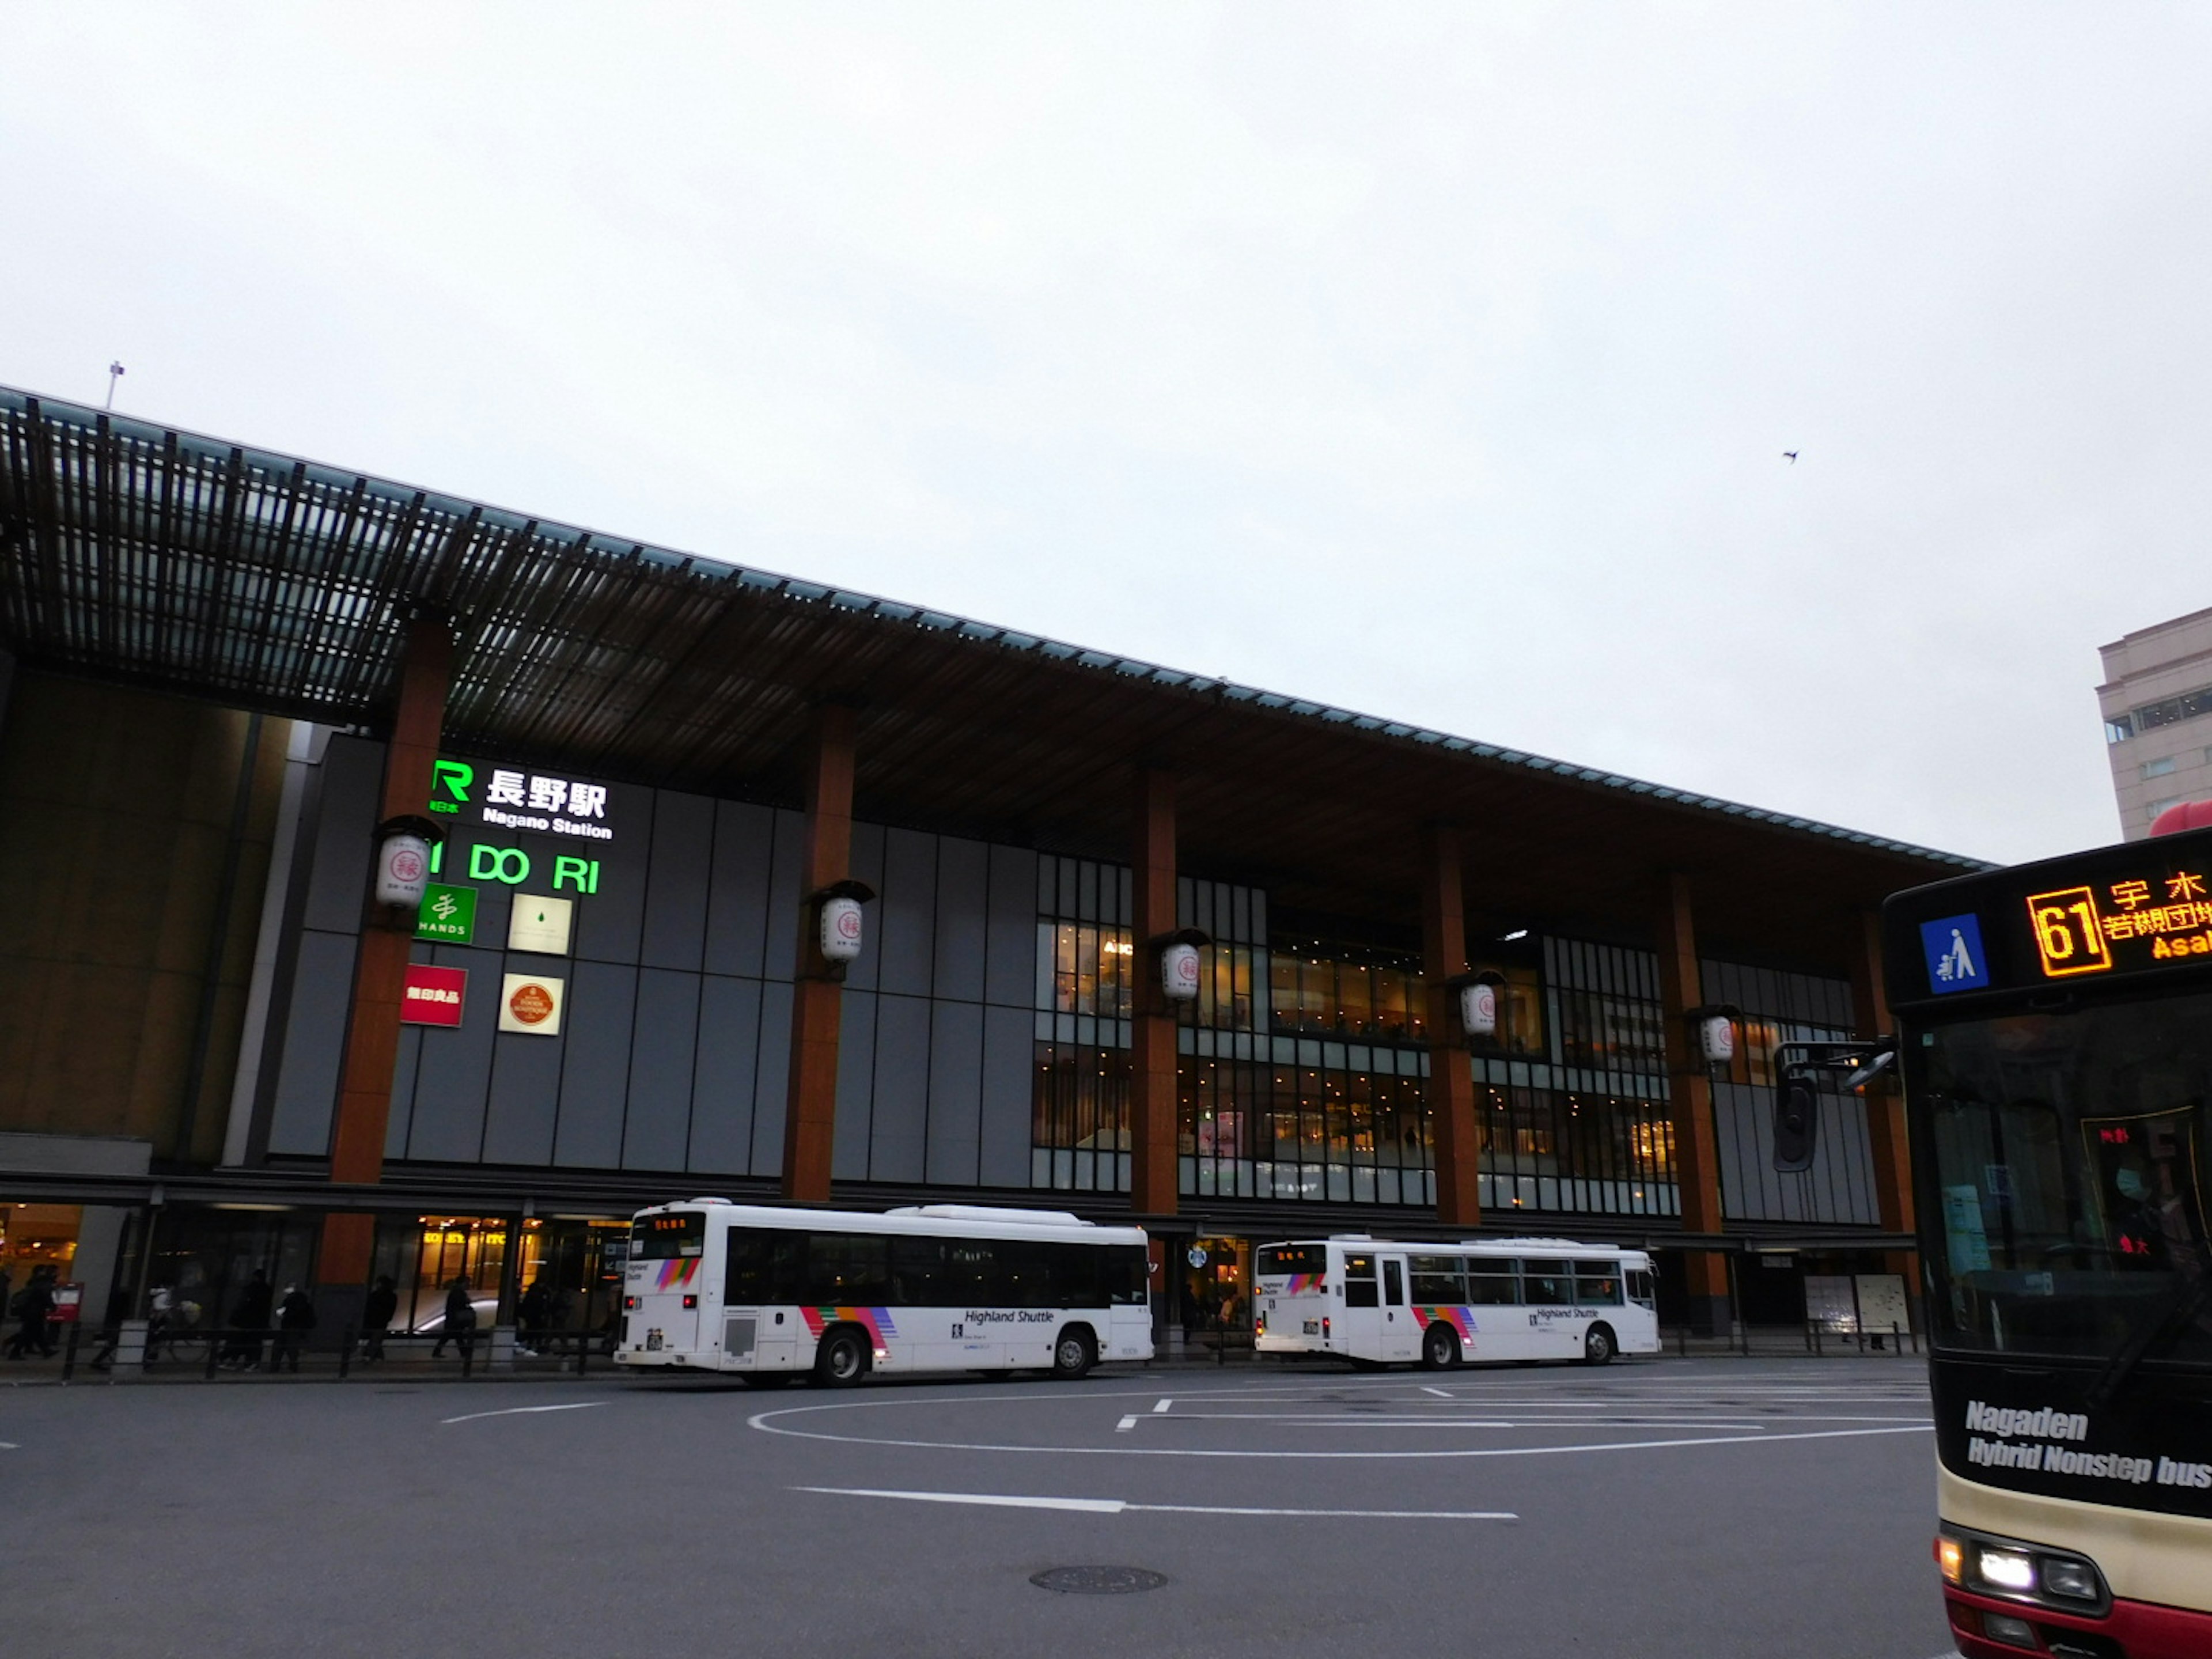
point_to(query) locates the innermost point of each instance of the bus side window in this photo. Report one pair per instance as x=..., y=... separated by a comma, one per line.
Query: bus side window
x=1597, y=1284
x=1436, y=1279
x=763, y=1267
x=849, y=1268
x=1546, y=1284
x=1639, y=1289
x=917, y=1272
x=1492, y=1283
x=1359, y=1286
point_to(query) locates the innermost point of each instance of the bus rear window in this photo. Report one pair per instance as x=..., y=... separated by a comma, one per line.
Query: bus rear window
x=1277, y=1260
x=657, y=1238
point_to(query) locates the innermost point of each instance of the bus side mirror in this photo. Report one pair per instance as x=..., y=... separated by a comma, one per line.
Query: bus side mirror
x=1796, y=1123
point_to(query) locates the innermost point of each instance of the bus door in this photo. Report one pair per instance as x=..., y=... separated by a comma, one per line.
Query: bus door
x=1401, y=1331
x=1358, y=1330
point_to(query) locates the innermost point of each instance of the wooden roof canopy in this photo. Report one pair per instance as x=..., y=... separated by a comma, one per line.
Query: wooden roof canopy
x=138, y=553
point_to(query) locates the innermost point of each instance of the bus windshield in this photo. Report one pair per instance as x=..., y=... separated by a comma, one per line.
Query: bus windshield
x=2069, y=1162
x=658, y=1237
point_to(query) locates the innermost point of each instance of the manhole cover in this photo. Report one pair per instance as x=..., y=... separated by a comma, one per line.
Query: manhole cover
x=1097, y=1581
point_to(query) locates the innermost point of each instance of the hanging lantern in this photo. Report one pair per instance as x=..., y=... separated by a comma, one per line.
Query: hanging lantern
x=1477, y=1008
x=841, y=929
x=403, y=860
x=1179, y=972
x=1717, y=1036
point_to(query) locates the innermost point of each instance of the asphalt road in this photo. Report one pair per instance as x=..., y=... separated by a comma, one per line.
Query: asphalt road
x=1717, y=1508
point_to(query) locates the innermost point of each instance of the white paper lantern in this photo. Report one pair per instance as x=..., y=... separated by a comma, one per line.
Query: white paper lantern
x=1716, y=1032
x=403, y=869
x=1478, y=1009
x=1179, y=972
x=841, y=929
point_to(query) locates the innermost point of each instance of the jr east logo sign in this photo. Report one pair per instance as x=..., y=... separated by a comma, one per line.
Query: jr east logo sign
x=511, y=799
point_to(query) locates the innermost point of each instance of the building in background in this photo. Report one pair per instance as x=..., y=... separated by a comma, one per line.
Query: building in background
x=654, y=772
x=2156, y=695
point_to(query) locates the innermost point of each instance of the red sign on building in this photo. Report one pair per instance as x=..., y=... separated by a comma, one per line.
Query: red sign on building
x=434, y=995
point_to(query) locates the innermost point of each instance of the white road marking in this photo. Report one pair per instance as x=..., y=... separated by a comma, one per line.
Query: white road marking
x=762, y=1421
x=1162, y=1408
x=1118, y=1506
x=1439, y=1393
x=10, y=1445
x=524, y=1411
x=1125, y=1425
x=1310, y=1421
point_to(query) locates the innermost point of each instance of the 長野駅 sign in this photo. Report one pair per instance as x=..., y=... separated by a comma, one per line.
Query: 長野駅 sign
x=513, y=799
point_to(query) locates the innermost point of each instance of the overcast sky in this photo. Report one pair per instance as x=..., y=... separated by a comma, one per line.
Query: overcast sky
x=1437, y=362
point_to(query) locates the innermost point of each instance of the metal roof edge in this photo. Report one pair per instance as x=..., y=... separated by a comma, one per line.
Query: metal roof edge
x=655, y=560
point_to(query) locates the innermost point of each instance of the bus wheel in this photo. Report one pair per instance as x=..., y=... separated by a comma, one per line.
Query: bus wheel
x=1440, y=1347
x=841, y=1360
x=1073, y=1356
x=1598, y=1347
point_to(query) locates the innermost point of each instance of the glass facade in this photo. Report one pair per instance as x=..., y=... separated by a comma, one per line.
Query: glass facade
x=1304, y=1065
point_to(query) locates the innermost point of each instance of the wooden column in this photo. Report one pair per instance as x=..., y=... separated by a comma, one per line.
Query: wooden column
x=379, y=976
x=1454, y=1128
x=1152, y=1055
x=1885, y=1100
x=1697, y=1149
x=810, y=1115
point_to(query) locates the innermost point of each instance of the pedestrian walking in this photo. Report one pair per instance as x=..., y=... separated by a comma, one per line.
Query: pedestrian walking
x=532, y=1312
x=376, y=1316
x=249, y=1323
x=296, y=1317
x=459, y=1324
x=33, y=1307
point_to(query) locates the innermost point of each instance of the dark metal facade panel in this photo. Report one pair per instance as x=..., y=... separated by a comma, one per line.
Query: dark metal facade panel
x=963, y=899
x=780, y=929
x=314, y=1045
x=1010, y=949
x=900, y=1125
x=352, y=780
x=856, y=1077
x=956, y=1094
x=676, y=904
x=772, y=1077
x=908, y=913
x=738, y=904
x=611, y=927
x=656, y=1127
x=724, y=1077
x=525, y=1107
x=1009, y=1067
x=595, y=1076
x=403, y=1091
x=453, y=1080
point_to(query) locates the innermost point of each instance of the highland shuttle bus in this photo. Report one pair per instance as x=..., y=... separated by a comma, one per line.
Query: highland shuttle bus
x=1377, y=1303
x=775, y=1294
x=2054, y=1033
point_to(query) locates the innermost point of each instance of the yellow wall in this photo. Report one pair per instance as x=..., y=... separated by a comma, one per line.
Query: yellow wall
x=116, y=808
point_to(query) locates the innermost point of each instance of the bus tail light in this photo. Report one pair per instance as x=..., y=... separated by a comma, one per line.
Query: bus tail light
x=1260, y=1324
x=690, y=1301
x=629, y=1302
x=1324, y=1327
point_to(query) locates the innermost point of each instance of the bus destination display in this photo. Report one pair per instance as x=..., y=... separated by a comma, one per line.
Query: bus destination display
x=2142, y=908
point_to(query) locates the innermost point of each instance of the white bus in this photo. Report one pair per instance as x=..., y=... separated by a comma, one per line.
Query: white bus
x=774, y=1294
x=1379, y=1303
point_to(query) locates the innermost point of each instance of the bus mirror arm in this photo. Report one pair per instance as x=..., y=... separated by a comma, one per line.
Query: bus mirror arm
x=1861, y=1061
x=1875, y=1066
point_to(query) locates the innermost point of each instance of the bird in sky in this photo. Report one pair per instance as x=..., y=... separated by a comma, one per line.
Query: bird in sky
x=1790, y=456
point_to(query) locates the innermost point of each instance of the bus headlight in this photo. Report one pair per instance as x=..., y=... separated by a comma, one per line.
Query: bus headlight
x=2074, y=1580
x=2012, y=1570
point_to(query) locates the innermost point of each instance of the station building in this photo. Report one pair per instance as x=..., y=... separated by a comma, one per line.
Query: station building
x=226, y=668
